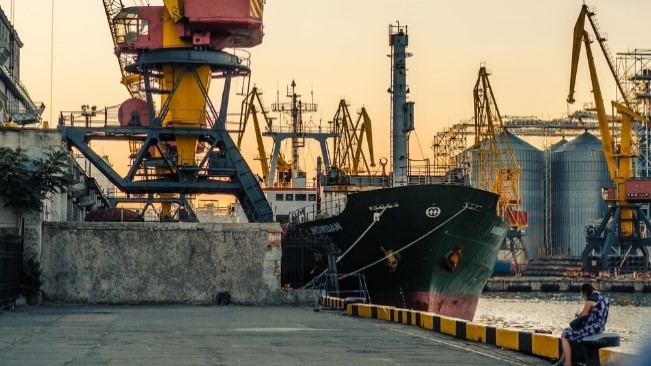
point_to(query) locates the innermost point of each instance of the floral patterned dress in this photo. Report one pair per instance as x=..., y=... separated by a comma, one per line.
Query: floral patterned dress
x=596, y=322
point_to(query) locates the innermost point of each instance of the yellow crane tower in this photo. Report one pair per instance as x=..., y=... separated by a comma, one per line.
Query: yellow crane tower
x=496, y=167
x=249, y=110
x=619, y=242
x=169, y=55
x=348, y=153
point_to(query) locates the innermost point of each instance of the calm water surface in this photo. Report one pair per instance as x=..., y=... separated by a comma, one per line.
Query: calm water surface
x=629, y=315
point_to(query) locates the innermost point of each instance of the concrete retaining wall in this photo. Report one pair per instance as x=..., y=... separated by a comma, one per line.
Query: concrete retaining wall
x=113, y=263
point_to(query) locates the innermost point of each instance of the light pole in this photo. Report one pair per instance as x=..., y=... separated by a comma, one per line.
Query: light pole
x=88, y=112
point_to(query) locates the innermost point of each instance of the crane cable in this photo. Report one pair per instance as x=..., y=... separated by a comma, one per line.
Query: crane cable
x=51, y=63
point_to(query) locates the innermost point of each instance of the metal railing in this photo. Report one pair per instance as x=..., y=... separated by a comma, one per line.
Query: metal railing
x=318, y=211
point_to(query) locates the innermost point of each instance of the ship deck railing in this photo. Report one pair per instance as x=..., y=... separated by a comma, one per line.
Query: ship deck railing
x=337, y=205
x=107, y=118
x=318, y=211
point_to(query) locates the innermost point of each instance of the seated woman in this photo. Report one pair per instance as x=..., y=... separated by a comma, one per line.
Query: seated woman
x=595, y=309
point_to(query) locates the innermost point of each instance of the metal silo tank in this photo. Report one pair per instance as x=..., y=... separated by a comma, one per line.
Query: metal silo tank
x=579, y=172
x=531, y=162
x=547, y=194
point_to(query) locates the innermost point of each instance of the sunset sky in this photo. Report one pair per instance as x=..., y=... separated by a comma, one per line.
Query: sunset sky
x=338, y=49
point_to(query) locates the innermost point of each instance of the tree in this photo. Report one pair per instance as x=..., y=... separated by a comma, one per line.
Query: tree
x=27, y=182
x=24, y=184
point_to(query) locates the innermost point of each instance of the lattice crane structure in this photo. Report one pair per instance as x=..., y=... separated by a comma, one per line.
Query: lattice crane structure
x=168, y=56
x=449, y=146
x=634, y=71
x=496, y=168
x=349, y=153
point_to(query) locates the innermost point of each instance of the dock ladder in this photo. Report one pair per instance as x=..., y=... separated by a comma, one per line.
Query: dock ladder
x=328, y=285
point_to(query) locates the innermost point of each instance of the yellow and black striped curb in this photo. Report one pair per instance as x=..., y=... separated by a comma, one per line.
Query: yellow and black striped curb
x=538, y=344
x=332, y=302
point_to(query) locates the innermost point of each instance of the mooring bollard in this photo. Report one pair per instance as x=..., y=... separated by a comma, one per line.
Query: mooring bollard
x=593, y=343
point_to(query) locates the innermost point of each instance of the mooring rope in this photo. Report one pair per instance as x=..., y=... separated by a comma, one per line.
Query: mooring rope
x=465, y=207
x=347, y=250
x=361, y=236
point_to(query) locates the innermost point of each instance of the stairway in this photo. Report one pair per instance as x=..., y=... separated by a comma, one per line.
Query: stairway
x=554, y=267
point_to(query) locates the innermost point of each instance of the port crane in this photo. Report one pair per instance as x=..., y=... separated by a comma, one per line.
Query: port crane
x=348, y=145
x=276, y=170
x=448, y=146
x=497, y=169
x=619, y=243
x=169, y=55
x=252, y=105
x=132, y=81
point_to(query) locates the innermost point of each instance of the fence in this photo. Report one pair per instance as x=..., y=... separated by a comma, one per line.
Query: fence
x=11, y=262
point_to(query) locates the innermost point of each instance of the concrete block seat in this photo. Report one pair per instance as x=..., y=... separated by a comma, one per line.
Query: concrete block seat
x=587, y=351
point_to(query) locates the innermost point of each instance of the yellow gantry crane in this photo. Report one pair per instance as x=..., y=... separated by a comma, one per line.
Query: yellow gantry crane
x=497, y=169
x=623, y=240
x=249, y=110
x=618, y=155
x=348, y=153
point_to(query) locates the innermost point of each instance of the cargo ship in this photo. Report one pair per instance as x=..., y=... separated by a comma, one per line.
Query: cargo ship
x=403, y=238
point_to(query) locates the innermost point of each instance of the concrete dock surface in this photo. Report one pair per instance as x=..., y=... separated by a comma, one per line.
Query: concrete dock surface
x=227, y=335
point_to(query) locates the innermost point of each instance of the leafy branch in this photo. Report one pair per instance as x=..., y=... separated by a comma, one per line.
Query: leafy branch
x=27, y=182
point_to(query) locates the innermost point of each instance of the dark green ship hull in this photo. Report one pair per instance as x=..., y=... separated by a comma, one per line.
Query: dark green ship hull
x=424, y=247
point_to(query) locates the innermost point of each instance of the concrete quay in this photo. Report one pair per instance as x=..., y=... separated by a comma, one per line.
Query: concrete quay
x=562, y=284
x=228, y=335
x=541, y=345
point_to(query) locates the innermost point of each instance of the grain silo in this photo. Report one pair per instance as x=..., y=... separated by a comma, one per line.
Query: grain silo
x=530, y=160
x=547, y=195
x=579, y=172
x=531, y=163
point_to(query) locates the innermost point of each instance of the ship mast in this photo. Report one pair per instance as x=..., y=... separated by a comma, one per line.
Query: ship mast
x=297, y=132
x=297, y=128
x=402, y=112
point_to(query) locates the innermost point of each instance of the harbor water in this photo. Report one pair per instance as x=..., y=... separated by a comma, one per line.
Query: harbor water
x=629, y=315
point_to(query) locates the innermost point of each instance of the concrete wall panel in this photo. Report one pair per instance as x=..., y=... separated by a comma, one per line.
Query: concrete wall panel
x=147, y=262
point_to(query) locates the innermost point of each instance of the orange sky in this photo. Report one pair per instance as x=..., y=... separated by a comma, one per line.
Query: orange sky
x=337, y=49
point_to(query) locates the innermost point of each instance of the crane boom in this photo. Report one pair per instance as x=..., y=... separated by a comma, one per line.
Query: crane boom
x=619, y=157
x=576, y=51
x=604, y=130
x=249, y=110
x=130, y=80
x=348, y=154
x=621, y=237
x=365, y=128
x=497, y=168
x=579, y=32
